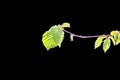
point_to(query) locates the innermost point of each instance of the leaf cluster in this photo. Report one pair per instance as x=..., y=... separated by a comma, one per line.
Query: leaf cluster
x=55, y=35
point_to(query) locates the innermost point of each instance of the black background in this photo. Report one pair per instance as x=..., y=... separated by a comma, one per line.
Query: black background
x=25, y=23
x=85, y=20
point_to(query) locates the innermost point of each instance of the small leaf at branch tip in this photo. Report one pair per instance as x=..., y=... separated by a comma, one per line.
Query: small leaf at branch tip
x=65, y=25
x=116, y=36
x=118, y=39
x=114, y=32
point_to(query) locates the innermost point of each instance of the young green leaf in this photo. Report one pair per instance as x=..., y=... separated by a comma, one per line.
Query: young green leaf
x=111, y=37
x=99, y=41
x=53, y=37
x=65, y=25
x=106, y=44
x=116, y=36
x=71, y=37
x=118, y=39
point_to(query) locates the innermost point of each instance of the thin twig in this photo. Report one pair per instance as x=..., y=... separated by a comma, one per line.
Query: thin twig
x=80, y=36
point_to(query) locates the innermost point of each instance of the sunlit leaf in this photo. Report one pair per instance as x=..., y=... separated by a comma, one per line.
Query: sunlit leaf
x=53, y=37
x=106, y=44
x=99, y=41
x=118, y=40
x=65, y=25
x=116, y=36
x=111, y=37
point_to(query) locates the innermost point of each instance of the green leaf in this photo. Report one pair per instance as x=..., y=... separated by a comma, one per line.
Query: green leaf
x=65, y=25
x=106, y=45
x=71, y=37
x=118, y=40
x=53, y=37
x=116, y=36
x=99, y=41
x=111, y=37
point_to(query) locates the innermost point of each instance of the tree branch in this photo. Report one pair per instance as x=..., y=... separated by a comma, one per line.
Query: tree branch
x=80, y=36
